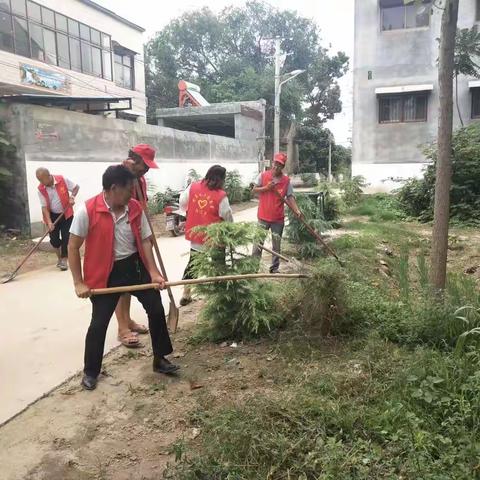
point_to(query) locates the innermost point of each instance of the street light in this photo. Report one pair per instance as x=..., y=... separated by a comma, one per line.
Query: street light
x=279, y=81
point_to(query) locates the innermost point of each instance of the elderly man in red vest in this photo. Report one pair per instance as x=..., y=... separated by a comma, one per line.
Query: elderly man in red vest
x=141, y=159
x=273, y=186
x=57, y=197
x=118, y=252
x=205, y=203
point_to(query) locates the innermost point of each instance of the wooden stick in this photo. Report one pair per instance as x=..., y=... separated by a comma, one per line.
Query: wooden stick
x=275, y=253
x=196, y=281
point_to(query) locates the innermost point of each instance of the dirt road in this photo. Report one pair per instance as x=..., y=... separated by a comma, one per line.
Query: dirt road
x=44, y=326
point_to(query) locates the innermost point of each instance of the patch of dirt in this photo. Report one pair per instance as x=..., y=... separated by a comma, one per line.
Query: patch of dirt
x=126, y=428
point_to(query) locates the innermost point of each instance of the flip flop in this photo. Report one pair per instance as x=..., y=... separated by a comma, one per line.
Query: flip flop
x=129, y=340
x=141, y=329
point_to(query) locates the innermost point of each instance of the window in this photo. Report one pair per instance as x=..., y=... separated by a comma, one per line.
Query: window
x=475, y=102
x=34, y=31
x=124, y=76
x=6, y=33
x=397, y=16
x=403, y=108
x=477, y=15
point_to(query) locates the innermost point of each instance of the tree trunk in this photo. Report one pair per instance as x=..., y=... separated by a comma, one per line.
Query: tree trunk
x=444, y=141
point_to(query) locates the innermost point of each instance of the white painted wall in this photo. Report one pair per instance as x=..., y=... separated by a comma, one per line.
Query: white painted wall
x=82, y=84
x=89, y=177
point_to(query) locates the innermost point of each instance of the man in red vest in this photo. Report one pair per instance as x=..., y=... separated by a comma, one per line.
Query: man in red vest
x=205, y=203
x=141, y=159
x=57, y=197
x=118, y=252
x=273, y=186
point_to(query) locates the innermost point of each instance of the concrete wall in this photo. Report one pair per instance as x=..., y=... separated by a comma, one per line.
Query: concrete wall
x=82, y=84
x=82, y=146
x=397, y=58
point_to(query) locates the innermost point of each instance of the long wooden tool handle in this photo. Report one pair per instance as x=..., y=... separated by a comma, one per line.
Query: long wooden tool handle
x=154, y=240
x=275, y=253
x=309, y=228
x=196, y=281
x=35, y=247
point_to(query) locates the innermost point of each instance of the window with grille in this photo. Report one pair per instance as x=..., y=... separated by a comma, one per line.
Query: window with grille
x=396, y=15
x=404, y=108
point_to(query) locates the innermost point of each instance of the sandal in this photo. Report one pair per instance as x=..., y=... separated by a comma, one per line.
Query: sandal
x=129, y=340
x=137, y=328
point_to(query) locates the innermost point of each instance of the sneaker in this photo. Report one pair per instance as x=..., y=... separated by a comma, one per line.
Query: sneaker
x=62, y=264
x=162, y=365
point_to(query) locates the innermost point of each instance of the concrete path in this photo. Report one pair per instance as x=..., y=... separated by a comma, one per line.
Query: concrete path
x=44, y=325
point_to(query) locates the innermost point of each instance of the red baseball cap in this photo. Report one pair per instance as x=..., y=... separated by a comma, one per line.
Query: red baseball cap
x=147, y=153
x=280, y=158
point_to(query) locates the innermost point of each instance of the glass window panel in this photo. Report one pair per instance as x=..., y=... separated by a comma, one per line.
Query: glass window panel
x=117, y=58
x=34, y=12
x=50, y=46
x=417, y=15
x=75, y=56
x=409, y=108
x=127, y=78
x=86, y=58
x=48, y=17
x=61, y=22
x=107, y=65
x=22, y=45
x=390, y=109
x=95, y=36
x=6, y=33
x=20, y=7
x=476, y=103
x=63, y=51
x=393, y=18
x=106, y=41
x=421, y=108
x=127, y=60
x=84, y=32
x=118, y=74
x=36, y=41
x=73, y=28
x=5, y=5
x=96, y=62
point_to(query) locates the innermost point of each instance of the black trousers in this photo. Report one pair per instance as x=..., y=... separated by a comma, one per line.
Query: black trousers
x=59, y=237
x=129, y=271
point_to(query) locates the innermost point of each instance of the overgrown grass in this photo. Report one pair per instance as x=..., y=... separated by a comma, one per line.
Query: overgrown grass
x=380, y=208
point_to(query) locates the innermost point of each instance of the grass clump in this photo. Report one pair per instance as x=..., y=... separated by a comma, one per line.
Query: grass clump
x=379, y=208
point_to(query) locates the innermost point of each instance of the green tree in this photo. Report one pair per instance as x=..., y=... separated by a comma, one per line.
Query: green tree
x=230, y=55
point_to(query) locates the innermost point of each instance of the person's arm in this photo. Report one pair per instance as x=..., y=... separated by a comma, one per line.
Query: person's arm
x=74, y=244
x=225, y=211
x=73, y=188
x=47, y=219
x=151, y=266
x=258, y=188
x=183, y=201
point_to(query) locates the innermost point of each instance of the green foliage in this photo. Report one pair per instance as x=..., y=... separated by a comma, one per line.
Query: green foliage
x=309, y=179
x=331, y=208
x=160, y=200
x=298, y=235
x=380, y=207
x=234, y=309
x=193, y=175
x=227, y=54
x=416, y=196
x=352, y=190
x=467, y=50
x=233, y=186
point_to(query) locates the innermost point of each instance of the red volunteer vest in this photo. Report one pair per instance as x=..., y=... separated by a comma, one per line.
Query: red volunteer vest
x=270, y=207
x=203, y=209
x=99, y=253
x=62, y=190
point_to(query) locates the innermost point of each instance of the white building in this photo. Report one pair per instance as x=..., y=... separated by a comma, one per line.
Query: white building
x=74, y=48
x=395, y=100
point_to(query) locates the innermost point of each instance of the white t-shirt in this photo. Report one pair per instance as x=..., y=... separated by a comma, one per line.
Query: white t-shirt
x=55, y=203
x=124, y=239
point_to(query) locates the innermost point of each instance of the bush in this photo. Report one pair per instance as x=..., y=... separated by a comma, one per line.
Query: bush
x=352, y=190
x=159, y=200
x=235, y=309
x=417, y=196
x=309, y=179
x=380, y=207
x=233, y=186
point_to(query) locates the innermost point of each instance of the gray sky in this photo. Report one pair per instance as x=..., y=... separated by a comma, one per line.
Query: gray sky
x=334, y=17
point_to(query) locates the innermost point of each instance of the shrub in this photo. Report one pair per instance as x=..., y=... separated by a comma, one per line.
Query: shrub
x=233, y=186
x=309, y=179
x=417, y=196
x=380, y=207
x=159, y=200
x=352, y=190
x=234, y=309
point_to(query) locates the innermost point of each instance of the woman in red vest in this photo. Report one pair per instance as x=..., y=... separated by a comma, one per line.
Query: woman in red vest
x=118, y=252
x=205, y=203
x=57, y=197
x=273, y=186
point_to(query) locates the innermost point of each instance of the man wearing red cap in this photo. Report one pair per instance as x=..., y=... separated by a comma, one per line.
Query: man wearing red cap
x=273, y=186
x=141, y=159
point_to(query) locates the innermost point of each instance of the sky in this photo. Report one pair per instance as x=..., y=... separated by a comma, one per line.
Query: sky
x=334, y=17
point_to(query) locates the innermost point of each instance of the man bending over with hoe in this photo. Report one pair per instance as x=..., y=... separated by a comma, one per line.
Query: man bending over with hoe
x=118, y=252
x=274, y=188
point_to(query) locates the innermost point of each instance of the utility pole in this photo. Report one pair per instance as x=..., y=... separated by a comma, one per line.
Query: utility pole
x=329, y=159
x=276, y=125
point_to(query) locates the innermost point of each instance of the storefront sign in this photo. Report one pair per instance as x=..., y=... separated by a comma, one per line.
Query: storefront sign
x=38, y=77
